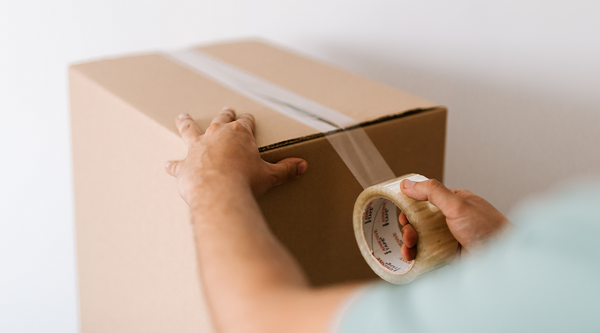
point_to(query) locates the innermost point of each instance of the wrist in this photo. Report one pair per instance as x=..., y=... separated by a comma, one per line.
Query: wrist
x=216, y=186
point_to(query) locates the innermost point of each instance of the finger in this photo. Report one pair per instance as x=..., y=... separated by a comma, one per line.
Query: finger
x=408, y=253
x=188, y=129
x=433, y=191
x=172, y=168
x=409, y=236
x=287, y=169
x=402, y=219
x=226, y=115
x=247, y=120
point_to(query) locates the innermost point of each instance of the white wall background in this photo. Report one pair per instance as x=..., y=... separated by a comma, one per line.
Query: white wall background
x=520, y=78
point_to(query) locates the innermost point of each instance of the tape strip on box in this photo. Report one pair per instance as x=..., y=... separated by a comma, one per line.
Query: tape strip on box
x=346, y=136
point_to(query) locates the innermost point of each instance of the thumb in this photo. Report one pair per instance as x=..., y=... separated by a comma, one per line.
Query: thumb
x=288, y=169
x=434, y=192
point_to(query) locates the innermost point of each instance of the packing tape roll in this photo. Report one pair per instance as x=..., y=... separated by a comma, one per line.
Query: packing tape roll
x=379, y=236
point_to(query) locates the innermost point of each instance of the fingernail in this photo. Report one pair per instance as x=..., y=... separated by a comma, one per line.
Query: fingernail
x=302, y=166
x=168, y=164
x=407, y=183
x=226, y=108
x=183, y=115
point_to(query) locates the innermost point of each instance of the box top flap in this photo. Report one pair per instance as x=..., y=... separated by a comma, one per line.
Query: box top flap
x=162, y=89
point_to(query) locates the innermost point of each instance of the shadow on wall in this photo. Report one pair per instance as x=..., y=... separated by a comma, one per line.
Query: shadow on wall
x=503, y=144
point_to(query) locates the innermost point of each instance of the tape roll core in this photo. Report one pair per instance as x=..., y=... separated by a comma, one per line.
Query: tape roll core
x=383, y=235
x=379, y=237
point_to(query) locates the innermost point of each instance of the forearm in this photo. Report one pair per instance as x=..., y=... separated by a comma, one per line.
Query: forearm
x=241, y=263
x=251, y=283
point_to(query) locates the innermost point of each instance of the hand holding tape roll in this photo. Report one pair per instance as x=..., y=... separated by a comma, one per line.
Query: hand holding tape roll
x=379, y=237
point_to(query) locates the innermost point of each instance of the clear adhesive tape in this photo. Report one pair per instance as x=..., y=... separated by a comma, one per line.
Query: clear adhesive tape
x=349, y=140
x=379, y=236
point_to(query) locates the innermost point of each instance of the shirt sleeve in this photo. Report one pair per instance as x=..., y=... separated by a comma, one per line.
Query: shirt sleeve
x=544, y=276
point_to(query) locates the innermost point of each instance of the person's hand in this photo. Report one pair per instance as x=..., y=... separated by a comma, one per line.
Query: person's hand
x=227, y=153
x=472, y=220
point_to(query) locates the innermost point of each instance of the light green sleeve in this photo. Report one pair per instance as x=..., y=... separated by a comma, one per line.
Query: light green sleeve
x=542, y=277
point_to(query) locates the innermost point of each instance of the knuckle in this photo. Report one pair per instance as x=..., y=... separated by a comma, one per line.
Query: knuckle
x=434, y=185
x=247, y=115
x=278, y=177
x=214, y=127
x=248, y=126
x=185, y=126
x=291, y=171
x=464, y=193
x=238, y=126
x=172, y=168
x=456, y=209
x=177, y=168
x=274, y=178
x=229, y=113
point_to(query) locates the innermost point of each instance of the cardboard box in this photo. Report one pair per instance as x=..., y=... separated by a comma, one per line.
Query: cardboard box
x=136, y=260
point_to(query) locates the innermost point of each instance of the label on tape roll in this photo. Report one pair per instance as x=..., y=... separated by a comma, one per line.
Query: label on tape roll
x=383, y=234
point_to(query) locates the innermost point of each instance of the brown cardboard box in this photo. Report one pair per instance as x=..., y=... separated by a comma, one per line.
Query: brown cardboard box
x=136, y=262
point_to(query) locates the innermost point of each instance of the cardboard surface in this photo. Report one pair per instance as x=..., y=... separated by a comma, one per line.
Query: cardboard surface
x=136, y=262
x=312, y=215
x=162, y=89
